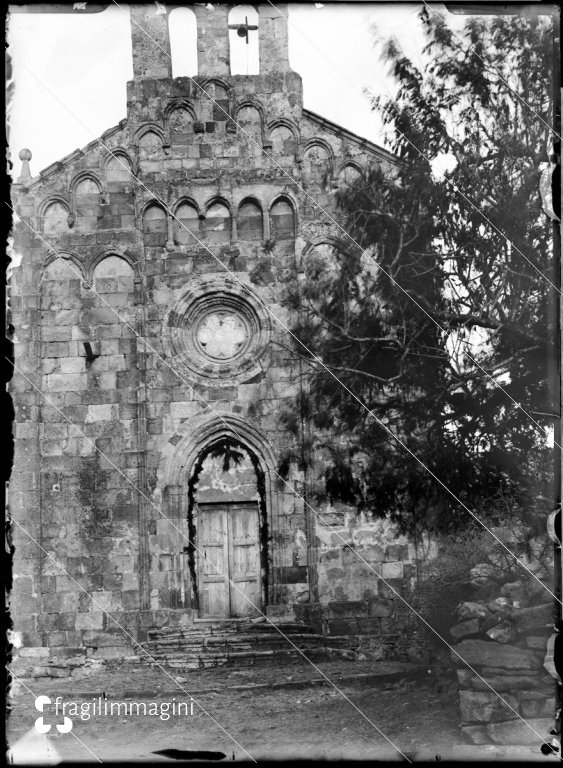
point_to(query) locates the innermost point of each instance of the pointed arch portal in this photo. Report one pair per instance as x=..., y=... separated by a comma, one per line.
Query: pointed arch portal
x=227, y=517
x=223, y=474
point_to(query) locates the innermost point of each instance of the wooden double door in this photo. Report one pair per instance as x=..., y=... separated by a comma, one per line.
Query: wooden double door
x=229, y=574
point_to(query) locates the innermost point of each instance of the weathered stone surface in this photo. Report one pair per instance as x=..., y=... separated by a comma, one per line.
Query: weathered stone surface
x=500, y=683
x=149, y=425
x=469, y=610
x=502, y=633
x=518, y=732
x=534, y=617
x=481, y=653
x=540, y=707
x=484, y=707
x=470, y=627
x=476, y=734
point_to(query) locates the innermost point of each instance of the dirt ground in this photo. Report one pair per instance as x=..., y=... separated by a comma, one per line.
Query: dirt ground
x=313, y=721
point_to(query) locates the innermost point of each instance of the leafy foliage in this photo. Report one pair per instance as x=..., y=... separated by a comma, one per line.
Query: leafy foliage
x=460, y=303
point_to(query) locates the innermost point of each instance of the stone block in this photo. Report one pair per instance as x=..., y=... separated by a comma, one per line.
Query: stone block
x=369, y=626
x=392, y=570
x=485, y=707
x=500, y=683
x=56, y=638
x=347, y=608
x=342, y=626
x=91, y=620
x=537, y=707
x=516, y=732
x=112, y=637
x=490, y=654
x=476, y=734
x=534, y=617
x=470, y=627
x=380, y=608
x=397, y=552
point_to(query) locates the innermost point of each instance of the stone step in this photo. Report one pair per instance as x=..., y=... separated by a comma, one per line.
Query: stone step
x=239, y=637
x=249, y=658
x=212, y=643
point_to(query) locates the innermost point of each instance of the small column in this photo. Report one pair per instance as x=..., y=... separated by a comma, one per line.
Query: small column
x=169, y=232
x=212, y=40
x=151, y=41
x=273, y=39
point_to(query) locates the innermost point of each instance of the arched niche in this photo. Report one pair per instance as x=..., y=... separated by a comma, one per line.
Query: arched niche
x=182, y=29
x=55, y=219
x=87, y=204
x=348, y=175
x=186, y=224
x=249, y=221
x=150, y=146
x=180, y=125
x=113, y=274
x=154, y=225
x=60, y=283
x=282, y=221
x=320, y=261
x=61, y=269
x=317, y=166
x=250, y=121
x=243, y=43
x=220, y=100
x=118, y=172
x=218, y=223
x=283, y=141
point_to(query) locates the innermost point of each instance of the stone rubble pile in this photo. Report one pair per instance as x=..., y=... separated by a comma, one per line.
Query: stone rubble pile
x=505, y=641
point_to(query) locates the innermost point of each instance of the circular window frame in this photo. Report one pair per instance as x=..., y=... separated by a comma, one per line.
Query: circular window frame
x=185, y=318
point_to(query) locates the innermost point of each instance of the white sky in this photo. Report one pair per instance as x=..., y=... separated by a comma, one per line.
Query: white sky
x=84, y=61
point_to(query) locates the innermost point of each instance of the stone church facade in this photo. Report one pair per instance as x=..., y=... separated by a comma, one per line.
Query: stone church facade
x=147, y=298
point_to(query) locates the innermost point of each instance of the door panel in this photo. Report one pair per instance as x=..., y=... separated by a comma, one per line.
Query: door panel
x=229, y=537
x=244, y=559
x=213, y=543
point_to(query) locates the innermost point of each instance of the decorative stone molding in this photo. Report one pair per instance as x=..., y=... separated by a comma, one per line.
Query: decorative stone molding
x=218, y=333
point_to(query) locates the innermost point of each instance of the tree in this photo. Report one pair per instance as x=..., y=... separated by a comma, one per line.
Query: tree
x=462, y=300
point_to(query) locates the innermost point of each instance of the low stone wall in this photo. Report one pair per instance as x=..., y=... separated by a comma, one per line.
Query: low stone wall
x=375, y=628
x=505, y=641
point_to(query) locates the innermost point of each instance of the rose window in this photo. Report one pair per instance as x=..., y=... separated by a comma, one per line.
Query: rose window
x=222, y=335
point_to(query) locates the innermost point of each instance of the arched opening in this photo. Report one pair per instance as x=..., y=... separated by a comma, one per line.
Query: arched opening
x=118, y=172
x=154, y=225
x=249, y=221
x=150, y=146
x=218, y=223
x=113, y=275
x=227, y=519
x=60, y=269
x=181, y=125
x=283, y=141
x=347, y=177
x=317, y=166
x=243, y=40
x=87, y=204
x=55, y=219
x=250, y=121
x=221, y=101
x=186, y=225
x=282, y=221
x=182, y=29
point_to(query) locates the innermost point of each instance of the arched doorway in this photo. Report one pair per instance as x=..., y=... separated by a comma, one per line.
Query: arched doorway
x=227, y=517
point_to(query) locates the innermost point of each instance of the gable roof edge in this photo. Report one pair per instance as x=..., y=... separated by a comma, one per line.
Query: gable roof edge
x=350, y=136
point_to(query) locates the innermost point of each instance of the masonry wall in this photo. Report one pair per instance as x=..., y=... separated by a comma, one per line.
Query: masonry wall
x=150, y=406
